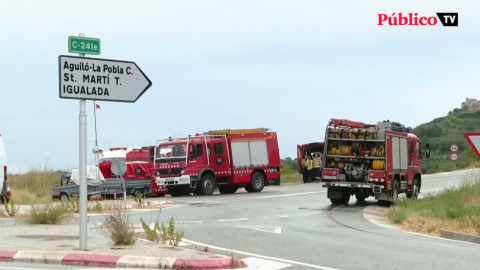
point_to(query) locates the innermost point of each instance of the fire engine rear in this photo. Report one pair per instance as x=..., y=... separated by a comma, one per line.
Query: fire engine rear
x=381, y=160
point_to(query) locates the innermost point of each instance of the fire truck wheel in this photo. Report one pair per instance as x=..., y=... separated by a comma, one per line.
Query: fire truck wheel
x=360, y=197
x=415, y=190
x=335, y=201
x=257, y=183
x=226, y=189
x=345, y=196
x=207, y=184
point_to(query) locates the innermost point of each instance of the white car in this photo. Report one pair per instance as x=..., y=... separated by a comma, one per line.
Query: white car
x=5, y=193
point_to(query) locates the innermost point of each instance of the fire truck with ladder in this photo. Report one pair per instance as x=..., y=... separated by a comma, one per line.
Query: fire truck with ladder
x=382, y=160
x=227, y=159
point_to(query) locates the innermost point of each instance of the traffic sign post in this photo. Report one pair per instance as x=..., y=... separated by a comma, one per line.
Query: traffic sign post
x=454, y=158
x=82, y=170
x=453, y=154
x=101, y=79
x=84, y=45
x=95, y=79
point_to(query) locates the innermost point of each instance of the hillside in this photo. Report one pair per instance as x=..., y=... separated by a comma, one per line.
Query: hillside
x=443, y=132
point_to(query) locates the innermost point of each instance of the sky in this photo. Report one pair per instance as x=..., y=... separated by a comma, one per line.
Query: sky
x=287, y=65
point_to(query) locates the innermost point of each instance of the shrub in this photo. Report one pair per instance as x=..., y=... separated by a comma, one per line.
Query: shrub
x=120, y=228
x=11, y=208
x=47, y=214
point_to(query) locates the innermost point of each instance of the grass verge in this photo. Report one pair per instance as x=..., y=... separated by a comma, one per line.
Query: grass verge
x=455, y=209
x=47, y=214
x=291, y=178
x=34, y=186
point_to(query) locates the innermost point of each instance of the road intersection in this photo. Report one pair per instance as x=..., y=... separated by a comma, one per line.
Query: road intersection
x=297, y=226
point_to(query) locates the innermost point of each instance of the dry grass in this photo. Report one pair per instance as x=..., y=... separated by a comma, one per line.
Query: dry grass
x=34, y=186
x=121, y=230
x=47, y=214
x=238, y=263
x=291, y=178
x=455, y=209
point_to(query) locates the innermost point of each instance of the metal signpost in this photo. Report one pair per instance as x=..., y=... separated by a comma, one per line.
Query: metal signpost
x=454, y=154
x=95, y=79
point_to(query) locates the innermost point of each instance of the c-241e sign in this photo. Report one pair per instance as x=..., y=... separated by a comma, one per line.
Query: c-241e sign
x=101, y=79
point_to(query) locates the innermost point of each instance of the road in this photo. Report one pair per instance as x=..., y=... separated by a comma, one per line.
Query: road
x=295, y=227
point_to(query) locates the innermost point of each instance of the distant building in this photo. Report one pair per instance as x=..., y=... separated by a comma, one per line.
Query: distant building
x=471, y=105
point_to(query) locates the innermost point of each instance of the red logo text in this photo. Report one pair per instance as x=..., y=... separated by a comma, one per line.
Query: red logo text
x=407, y=19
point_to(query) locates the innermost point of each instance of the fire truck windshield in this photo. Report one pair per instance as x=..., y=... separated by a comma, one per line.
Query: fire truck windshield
x=167, y=152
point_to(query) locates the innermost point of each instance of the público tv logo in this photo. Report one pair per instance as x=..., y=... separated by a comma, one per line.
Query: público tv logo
x=446, y=18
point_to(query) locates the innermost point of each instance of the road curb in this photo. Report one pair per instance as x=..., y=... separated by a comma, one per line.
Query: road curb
x=460, y=236
x=113, y=261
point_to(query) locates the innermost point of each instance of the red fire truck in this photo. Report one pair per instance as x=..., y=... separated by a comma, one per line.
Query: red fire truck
x=145, y=155
x=381, y=160
x=227, y=159
x=138, y=177
x=308, y=149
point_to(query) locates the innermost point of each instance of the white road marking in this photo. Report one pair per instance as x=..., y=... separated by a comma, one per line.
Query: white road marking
x=437, y=244
x=261, y=197
x=190, y=221
x=276, y=229
x=234, y=219
x=259, y=256
x=262, y=264
x=284, y=216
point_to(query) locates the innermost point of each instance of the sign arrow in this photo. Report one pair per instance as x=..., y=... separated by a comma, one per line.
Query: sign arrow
x=101, y=79
x=473, y=139
x=269, y=229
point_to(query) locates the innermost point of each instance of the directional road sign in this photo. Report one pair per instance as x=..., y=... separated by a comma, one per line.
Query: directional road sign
x=101, y=79
x=474, y=140
x=83, y=45
x=453, y=148
x=453, y=156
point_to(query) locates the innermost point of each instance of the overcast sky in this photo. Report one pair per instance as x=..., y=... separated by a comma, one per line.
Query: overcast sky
x=286, y=65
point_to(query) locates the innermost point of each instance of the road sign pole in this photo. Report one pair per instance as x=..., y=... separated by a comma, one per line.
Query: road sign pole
x=83, y=169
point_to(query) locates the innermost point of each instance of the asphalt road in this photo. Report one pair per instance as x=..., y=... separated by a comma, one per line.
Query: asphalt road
x=297, y=226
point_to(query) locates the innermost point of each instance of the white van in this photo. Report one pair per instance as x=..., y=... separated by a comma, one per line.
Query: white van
x=4, y=190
